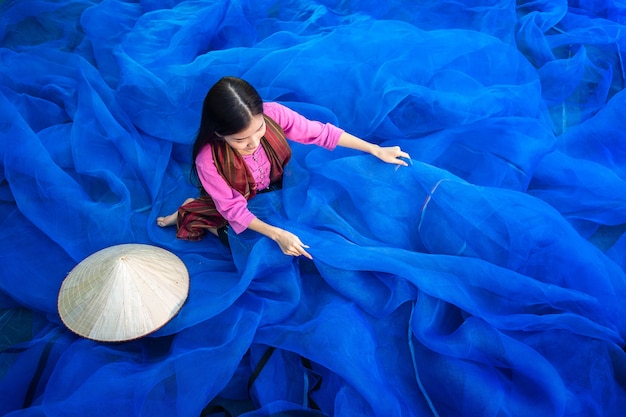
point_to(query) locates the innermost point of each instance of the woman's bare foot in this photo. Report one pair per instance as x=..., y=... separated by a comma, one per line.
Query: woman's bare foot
x=170, y=220
x=166, y=221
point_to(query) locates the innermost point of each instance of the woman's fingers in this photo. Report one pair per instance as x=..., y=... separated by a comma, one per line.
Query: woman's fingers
x=298, y=250
x=305, y=253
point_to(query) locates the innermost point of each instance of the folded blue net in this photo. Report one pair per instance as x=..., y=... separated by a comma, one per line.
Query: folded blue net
x=485, y=279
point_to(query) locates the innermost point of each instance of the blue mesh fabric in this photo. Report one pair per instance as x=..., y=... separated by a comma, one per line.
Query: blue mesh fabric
x=486, y=279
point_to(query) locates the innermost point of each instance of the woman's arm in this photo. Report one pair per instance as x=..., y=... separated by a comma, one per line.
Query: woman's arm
x=228, y=202
x=300, y=129
x=391, y=154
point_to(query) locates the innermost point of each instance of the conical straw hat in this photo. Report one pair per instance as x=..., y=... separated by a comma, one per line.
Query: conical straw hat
x=123, y=292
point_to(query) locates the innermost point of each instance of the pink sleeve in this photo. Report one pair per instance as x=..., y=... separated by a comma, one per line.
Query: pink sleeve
x=300, y=129
x=229, y=203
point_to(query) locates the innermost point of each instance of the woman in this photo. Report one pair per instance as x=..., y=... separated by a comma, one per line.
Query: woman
x=240, y=151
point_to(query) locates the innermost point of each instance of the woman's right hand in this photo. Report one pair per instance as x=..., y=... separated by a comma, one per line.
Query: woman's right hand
x=290, y=244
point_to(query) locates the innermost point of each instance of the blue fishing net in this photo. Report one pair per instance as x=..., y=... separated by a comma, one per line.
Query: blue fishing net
x=485, y=279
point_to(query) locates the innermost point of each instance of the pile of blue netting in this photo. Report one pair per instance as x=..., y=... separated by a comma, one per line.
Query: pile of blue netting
x=485, y=279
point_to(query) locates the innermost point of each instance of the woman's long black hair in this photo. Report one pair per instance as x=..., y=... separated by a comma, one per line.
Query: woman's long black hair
x=228, y=108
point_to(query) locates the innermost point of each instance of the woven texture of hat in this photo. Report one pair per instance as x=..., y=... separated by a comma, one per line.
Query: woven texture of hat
x=123, y=292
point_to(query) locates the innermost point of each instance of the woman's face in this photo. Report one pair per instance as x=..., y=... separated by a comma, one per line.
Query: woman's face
x=246, y=141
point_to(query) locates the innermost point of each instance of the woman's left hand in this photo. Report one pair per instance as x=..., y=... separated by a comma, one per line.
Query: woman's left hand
x=389, y=154
x=392, y=155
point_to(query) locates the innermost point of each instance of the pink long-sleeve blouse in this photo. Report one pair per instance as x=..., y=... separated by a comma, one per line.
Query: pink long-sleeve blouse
x=230, y=203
